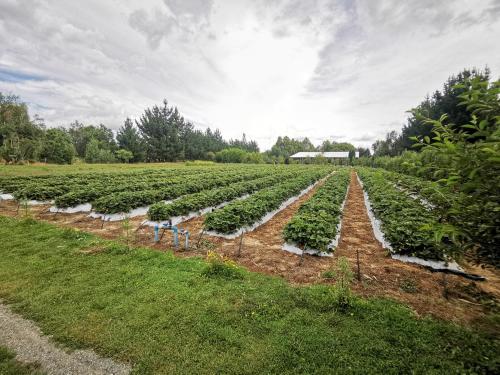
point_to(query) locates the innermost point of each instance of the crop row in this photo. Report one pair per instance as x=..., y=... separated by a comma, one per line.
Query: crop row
x=314, y=226
x=405, y=222
x=48, y=189
x=213, y=197
x=241, y=213
x=431, y=191
x=9, y=184
x=127, y=200
x=134, y=189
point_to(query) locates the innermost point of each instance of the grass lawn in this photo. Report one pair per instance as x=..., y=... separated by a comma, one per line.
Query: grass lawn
x=161, y=314
x=9, y=365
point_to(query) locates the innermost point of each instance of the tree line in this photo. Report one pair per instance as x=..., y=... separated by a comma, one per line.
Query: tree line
x=161, y=134
x=447, y=101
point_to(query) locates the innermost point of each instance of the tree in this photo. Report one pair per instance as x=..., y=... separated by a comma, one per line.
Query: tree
x=363, y=152
x=231, y=155
x=391, y=146
x=82, y=134
x=472, y=169
x=19, y=136
x=333, y=146
x=128, y=138
x=285, y=147
x=92, y=151
x=160, y=128
x=124, y=155
x=57, y=147
x=243, y=144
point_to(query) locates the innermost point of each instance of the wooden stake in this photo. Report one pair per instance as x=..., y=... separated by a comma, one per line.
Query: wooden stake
x=445, y=286
x=301, y=258
x=241, y=244
x=357, y=261
x=199, y=238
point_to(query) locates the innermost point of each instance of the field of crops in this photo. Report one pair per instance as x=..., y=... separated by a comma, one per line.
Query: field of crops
x=261, y=217
x=236, y=198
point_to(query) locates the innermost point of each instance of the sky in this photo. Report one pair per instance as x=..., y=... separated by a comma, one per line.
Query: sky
x=346, y=71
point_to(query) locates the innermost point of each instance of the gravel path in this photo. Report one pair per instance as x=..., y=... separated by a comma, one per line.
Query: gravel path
x=27, y=341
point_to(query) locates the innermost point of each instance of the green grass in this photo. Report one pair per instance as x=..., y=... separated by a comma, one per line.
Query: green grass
x=45, y=169
x=10, y=366
x=161, y=314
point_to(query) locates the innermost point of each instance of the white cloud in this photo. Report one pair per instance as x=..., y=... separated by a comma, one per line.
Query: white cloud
x=339, y=69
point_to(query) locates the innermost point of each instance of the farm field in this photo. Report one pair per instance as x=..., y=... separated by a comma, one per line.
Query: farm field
x=166, y=306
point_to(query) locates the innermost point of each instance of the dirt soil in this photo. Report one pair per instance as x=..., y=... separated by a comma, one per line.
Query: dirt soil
x=424, y=291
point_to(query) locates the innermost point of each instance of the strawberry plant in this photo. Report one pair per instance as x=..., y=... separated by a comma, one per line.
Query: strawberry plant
x=314, y=226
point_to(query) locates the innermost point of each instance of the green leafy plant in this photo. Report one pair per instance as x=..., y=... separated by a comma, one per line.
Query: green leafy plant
x=473, y=169
x=342, y=288
x=408, y=285
x=221, y=267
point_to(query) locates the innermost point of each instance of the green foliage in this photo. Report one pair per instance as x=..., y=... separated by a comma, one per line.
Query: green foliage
x=231, y=155
x=314, y=226
x=447, y=101
x=129, y=139
x=241, y=213
x=19, y=135
x=10, y=366
x=408, y=285
x=406, y=223
x=342, y=288
x=327, y=146
x=219, y=266
x=285, y=147
x=124, y=156
x=162, y=134
x=330, y=274
x=123, y=201
x=472, y=150
x=57, y=147
x=213, y=197
x=167, y=136
x=82, y=135
x=95, y=154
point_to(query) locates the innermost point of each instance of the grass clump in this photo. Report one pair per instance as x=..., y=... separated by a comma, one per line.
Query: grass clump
x=408, y=286
x=10, y=366
x=219, y=266
x=328, y=275
x=342, y=288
